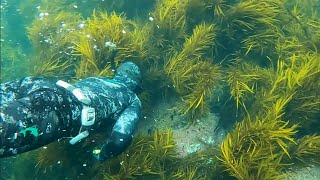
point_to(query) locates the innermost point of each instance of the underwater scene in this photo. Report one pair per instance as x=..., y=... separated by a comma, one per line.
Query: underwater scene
x=230, y=88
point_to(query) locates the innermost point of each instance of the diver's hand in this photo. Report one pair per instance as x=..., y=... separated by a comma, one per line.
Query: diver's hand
x=97, y=153
x=114, y=146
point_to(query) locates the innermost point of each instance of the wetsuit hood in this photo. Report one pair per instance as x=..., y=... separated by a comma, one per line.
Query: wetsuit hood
x=129, y=74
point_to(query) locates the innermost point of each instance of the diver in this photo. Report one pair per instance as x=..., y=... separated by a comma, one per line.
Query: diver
x=36, y=111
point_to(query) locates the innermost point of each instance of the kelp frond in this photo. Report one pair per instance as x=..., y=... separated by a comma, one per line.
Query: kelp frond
x=202, y=39
x=262, y=43
x=194, y=79
x=186, y=173
x=53, y=68
x=253, y=15
x=253, y=146
x=244, y=79
x=53, y=31
x=162, y=147
x=107, y=28
x=206, y=77
x=145, y=156
x=307, y=149
x=194, y=48
x=169, y=22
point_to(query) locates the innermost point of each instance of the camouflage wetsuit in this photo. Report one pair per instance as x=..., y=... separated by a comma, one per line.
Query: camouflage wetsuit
x=35, y=111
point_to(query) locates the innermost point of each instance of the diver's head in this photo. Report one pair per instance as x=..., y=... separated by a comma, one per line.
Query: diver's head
x=129, y=74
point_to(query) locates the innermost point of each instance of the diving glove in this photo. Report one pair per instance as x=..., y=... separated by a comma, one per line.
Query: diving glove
x=115, y=145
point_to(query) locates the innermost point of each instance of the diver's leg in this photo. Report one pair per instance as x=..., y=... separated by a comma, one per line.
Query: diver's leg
x=42, y=116
x=17, y=89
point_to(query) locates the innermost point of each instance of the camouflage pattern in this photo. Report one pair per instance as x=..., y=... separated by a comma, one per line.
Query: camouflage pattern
x=36, y=112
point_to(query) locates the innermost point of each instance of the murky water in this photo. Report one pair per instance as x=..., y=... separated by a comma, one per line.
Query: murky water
x=246, y=68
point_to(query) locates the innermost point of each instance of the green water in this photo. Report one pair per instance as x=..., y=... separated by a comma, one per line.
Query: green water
x=254, y=64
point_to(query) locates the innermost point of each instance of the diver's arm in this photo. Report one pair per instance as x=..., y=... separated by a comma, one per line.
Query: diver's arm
x=122, y=132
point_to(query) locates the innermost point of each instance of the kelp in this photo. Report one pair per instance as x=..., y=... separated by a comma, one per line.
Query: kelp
x=168, y=23
x=255, y=147
x=51, y=37
x=307, y=149
x=267, y=52
x=191, y=76
x=108, y=28
x=146, y=156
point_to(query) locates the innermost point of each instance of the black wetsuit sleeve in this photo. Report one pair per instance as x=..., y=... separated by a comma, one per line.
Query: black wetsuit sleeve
x=122, y=132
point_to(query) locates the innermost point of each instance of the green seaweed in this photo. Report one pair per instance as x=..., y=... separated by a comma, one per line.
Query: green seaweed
x=192, y=77
x=267, y=52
